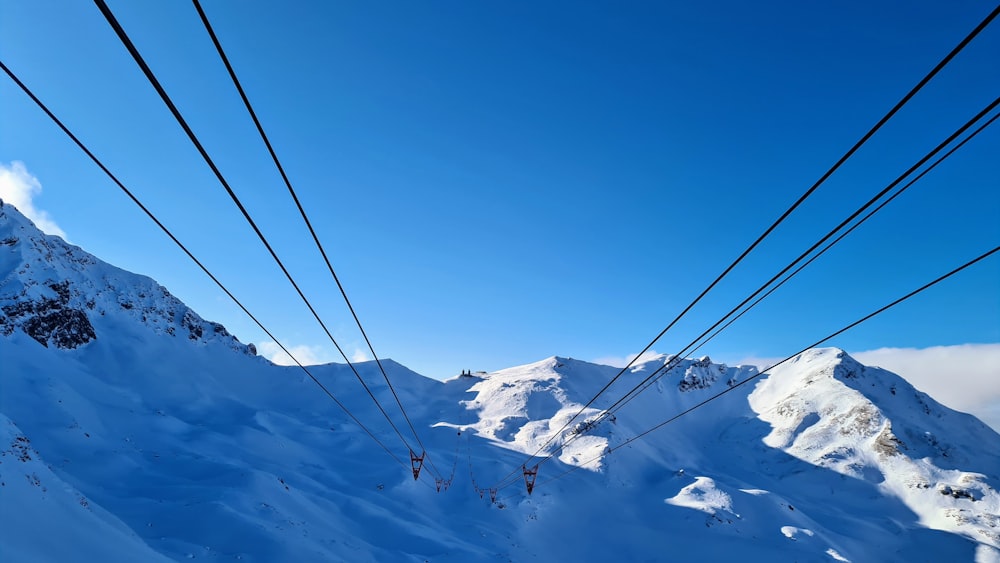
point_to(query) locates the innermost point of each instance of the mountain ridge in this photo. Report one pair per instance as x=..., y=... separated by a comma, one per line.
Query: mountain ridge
x=56, y=292
x=185, y=444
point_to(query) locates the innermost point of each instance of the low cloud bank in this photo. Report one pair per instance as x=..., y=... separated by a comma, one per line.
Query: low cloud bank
x=965, y=377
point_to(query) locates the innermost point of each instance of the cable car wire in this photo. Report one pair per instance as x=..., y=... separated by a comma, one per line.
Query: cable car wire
x=899, y=192
x=913, y=91
x=985, y=111
x=676, y=358
x=305, y=218
x=134, y=52
x=193, y=258
x=735, y=386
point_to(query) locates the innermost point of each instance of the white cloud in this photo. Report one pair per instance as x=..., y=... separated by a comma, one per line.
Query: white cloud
x=18, y=188
x=620, y=362
x=760, y=362
x=307, y=355
x=965, y=377
x=359, y=355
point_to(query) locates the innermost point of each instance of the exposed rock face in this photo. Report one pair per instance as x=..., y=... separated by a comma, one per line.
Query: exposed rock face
x=700, y=374
x=49, y=320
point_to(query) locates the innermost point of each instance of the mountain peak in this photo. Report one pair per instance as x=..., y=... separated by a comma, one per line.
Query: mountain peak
x=63, y=297
x=828, y=409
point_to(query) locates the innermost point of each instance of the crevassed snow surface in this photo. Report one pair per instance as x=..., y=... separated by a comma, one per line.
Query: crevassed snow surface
x=133, y=430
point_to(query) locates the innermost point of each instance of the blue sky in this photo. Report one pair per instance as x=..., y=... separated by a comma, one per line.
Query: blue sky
x=500, y=182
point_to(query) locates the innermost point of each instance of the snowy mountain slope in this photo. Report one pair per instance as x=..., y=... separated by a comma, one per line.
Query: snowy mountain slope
x=35, y=499
x=725, y=463
x=521, y=407
x=867, y=423
x=186, y=444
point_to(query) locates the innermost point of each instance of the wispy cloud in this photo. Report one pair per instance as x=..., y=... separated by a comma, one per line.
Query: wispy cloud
x=19, y=188
x=965, y=377
x=620, y=362
x=760, y=361
x=307, y=355
x=359, y=355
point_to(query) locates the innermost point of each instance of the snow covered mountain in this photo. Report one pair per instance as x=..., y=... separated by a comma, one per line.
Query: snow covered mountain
x=57, y=294
x=131, y=429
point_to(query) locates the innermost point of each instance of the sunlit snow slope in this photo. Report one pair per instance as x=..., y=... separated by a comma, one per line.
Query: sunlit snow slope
x=131, y=430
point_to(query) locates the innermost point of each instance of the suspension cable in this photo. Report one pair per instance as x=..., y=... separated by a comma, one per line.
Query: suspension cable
x=302, y=212
x=194, y=259
x=937, y=68
x=675, y=359
x=133, y=51
x=899, y=192
x=958, y=48
x=761, y=373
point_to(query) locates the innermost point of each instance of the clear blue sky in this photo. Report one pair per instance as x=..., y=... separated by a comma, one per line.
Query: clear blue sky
x=497, y=182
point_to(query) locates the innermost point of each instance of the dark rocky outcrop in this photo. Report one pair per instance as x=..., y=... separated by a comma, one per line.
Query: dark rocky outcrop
x=49, y=320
